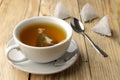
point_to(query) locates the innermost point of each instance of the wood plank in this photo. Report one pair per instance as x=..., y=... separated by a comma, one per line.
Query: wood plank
x=80, y=70
x=104, y=68
x=11, y=12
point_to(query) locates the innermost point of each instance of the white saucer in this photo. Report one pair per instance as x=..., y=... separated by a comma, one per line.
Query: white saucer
x=47, y=68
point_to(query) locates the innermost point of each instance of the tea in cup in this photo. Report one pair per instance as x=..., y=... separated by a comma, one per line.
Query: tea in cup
x=41, y=39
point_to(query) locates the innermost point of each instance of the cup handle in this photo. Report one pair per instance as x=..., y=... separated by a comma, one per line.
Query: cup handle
x=9, y=49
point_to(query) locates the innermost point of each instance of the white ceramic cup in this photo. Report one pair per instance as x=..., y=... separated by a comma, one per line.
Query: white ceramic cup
x=40, y=54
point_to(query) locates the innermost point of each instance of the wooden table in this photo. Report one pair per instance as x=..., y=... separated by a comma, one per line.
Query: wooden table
x=90, y=65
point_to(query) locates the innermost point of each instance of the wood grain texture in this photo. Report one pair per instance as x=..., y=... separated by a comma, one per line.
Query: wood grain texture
x=104, y=68
x=1, y=2
x=11, y=12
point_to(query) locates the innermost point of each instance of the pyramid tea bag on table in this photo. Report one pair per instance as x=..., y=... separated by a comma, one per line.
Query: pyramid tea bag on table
x=61, y=11
x=88, y=13
x=103, y=27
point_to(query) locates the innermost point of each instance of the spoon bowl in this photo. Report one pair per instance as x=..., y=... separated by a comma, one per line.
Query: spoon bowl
x=77, y=25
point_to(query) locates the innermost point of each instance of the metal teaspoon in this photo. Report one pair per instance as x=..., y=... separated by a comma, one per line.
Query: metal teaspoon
x=79, y=28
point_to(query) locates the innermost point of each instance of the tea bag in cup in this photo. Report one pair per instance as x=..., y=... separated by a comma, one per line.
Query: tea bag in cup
x=43, y=39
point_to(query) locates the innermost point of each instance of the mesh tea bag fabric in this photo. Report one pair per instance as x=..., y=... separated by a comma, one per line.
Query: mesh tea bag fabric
x=88, y=13
x=61, y=11
x=103, y=27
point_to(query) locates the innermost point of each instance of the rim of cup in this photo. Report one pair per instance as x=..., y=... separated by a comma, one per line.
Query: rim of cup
x=68, y=35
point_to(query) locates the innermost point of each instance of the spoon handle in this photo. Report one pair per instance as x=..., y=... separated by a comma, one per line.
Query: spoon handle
x=99, y=50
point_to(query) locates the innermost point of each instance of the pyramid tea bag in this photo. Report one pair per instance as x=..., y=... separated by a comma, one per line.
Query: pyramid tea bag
x=61, y=11
x=43, y=39
x=88, y=13
x=103, y=27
